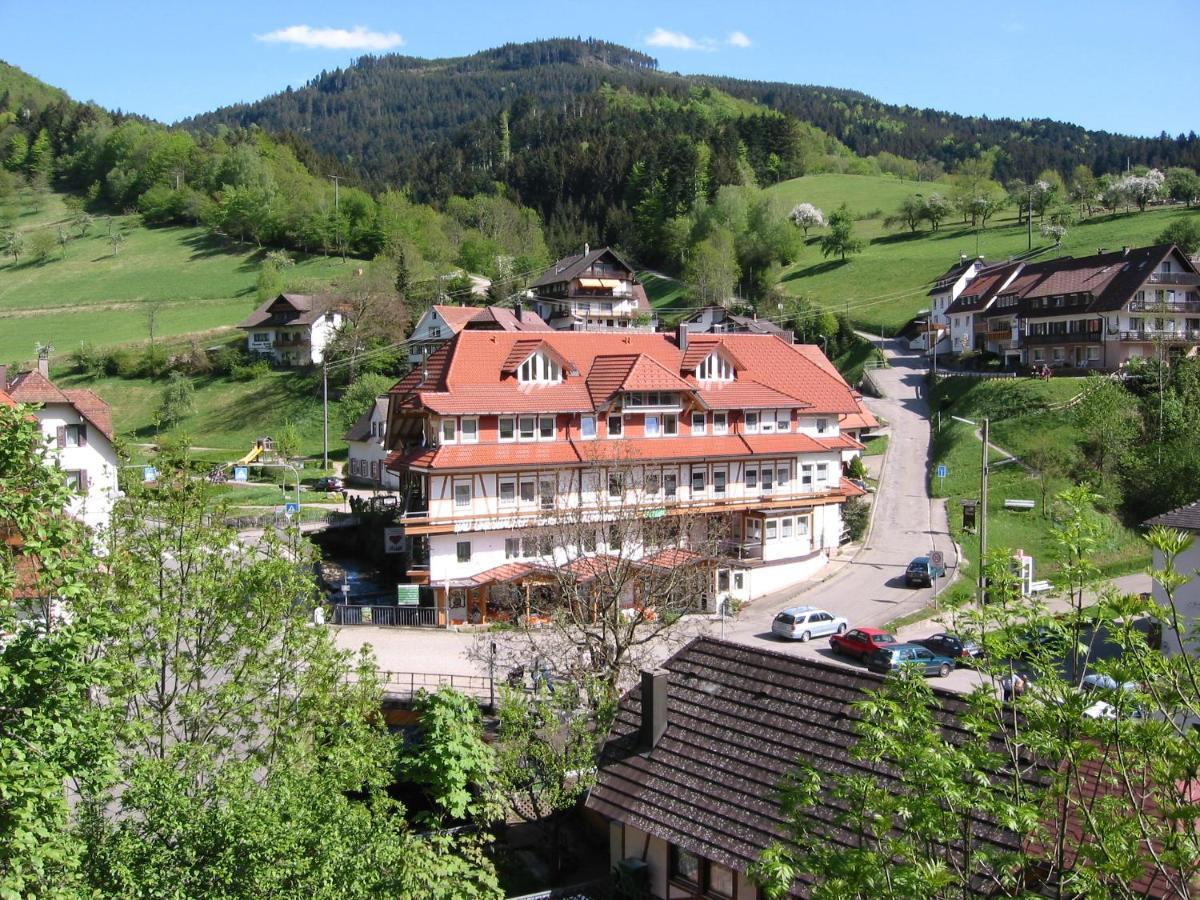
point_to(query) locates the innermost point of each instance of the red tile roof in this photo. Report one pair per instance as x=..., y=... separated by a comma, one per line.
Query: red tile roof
x=665, y=449
x=504, y=572
x=859, y=420
x=92, y=408
x=648, y=374
x=841, y=442
x=850, y=489
x=782, y=443
x=6, y=400
x=34, y=387
x=745, y=393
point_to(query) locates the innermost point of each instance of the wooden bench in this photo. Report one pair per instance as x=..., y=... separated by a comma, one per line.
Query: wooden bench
x=1018, y=504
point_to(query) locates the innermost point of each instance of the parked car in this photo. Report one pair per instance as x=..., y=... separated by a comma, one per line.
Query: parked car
x=902, y=656
x=921, y=572
x=804, y=622
x=861, y=642
x=951, y=645
x=328, y=484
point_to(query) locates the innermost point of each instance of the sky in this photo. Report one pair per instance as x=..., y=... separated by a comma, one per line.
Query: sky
x=1116, y=66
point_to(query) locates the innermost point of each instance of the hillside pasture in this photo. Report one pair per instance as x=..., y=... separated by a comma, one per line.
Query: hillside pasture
x=882, y=288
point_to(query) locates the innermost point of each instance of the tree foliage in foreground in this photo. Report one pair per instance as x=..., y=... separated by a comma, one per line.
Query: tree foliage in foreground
x=1097, y=789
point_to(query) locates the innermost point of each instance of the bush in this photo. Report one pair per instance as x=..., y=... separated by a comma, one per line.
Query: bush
x=225, y=359
x=856, y=513
x=154, y=361
x=126, y=363
x=856, y=469
x=89, y=360
x=260, y=368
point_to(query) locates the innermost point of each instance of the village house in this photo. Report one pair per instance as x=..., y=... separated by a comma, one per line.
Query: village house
x=78, y=426
x=716, y=319
x=292, y=329
x=949, y=285
x=441, y=322
x=592, y=291
x=1096, y=312
x=367, y=444
x=501, y=434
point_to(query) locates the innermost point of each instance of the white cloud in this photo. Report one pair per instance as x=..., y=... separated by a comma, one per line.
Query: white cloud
x=359, y=38
x=676, y=40
x=739, y=39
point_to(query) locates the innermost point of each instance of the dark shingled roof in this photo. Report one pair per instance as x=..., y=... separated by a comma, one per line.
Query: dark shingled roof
x=1185, y=517
x=737, y=719
x=295, y=309
x=570, y=266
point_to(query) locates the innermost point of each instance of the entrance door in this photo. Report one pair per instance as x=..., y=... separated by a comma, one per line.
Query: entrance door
x=1080, y=357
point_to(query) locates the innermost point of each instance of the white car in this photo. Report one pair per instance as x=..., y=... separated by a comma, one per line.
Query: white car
x=804, y=622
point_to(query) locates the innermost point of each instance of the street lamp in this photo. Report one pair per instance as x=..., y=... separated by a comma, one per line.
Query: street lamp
x=983, y=498
x=824, y=343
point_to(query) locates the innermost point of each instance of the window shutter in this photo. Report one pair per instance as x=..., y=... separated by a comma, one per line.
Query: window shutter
x=61, y=434
x=83, y=481
x=82, y=435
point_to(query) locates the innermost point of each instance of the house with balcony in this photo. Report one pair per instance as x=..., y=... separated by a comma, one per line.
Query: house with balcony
x=592, y=291
x=947, y=287
x=441, y=322
x=293, y=329
x=966, y=315
x=517, y=449
x=366, y=441
x=77, y=425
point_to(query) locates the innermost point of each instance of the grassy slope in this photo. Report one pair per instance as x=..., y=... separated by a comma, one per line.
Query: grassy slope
x=662, y=291
x=91, y=295
x=886, y=285
x=1021, y=422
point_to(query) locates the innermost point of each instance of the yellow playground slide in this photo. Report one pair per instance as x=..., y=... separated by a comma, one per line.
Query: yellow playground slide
x=251, y=456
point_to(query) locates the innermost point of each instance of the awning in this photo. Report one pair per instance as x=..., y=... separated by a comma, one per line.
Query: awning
x=611, y=282
x=591, y=282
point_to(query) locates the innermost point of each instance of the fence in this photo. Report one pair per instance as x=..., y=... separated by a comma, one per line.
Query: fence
x=405, y=685
x=389, y=616
x=953, y=373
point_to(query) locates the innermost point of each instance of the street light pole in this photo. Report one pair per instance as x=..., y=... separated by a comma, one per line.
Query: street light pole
x=983, y=511
x=325, y=414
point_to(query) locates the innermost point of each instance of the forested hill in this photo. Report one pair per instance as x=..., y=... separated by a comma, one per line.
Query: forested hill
x=386, y=115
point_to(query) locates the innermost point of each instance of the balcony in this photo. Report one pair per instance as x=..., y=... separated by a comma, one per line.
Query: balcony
x=1070, y=337
x=1165, y=306
x=1174, y=278
x=740, y=549
x=1183, y=336
x=297, y=342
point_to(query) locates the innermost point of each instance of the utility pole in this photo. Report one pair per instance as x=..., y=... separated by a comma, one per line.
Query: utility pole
x=1029, y=217
x=325, y=414
x=983, y=510
x=337, y=219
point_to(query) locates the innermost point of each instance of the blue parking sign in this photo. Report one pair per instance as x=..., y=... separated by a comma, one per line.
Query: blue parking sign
x=149, y=473
x=941, y=471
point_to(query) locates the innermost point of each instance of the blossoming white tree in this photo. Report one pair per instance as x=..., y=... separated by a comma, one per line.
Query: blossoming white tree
x=806, y=216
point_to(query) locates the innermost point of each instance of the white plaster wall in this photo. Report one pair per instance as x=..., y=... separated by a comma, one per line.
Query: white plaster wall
x=97, y=458
x=767, y=579
x=322, y=333
x=1187, y=601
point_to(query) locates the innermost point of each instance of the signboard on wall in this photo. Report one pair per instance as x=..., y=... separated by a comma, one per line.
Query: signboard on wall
x=408, y=595
x=393, y=540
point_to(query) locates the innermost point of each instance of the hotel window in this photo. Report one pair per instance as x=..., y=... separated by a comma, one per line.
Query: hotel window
x=785, y=528
x=512, y=548
x=698, y=480
x=720, y=423
x=508, y=427
x=768, y=476
x=462, y=495
x=587, y=427
x=751, y=477
x=508, y=491
x=719, y=481
x=653, y=483
x=806, y=478
x=540, y=368
x=783, y=420
x=822, y=426
x=652, y=426
x=822, y=473
x=767, y=425
x=801, y=526
x=715, y=368
x=469, y=431
x=616, y=484
x=772, y=529
x=685, y=866
x=546, y=428
x=751, y=423
x=527, y=490
x=670, y=424
x=698, y=423
x=589, y=541
x=670, y=484
x=464, y=551
x=547, y=487
x=616, y=426
x=528, y=428
x=781, y=476
x=448, y=431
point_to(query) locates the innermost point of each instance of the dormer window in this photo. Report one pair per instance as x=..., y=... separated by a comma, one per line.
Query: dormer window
x=540, y=369
x=715, y=367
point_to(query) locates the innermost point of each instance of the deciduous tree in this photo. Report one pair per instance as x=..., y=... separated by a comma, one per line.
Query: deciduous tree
x=806, y=216
x=840, y=240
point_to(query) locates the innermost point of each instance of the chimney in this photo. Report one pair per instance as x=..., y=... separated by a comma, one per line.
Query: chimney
x=587, y=248
x=44, y=362
x=654, y=708
x=682, y=338
x=1124, y=251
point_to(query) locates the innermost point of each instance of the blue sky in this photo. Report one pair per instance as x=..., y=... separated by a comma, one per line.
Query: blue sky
x=1103, y=64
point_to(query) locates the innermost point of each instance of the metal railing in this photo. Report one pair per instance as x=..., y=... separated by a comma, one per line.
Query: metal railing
x=1167, y=306
x=406, y=684
x=1174, y=278
x=386, y=616
x=1093, y=336
x=1184, y=336
x=741, y=549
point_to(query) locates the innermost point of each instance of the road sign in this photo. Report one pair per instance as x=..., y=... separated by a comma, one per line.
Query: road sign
x=408, y=594
x=937, y=559
x=941, y=471
x=241, y=473
x=393, y=540
x=290, y=509
x=149, y=473
x=656, y=513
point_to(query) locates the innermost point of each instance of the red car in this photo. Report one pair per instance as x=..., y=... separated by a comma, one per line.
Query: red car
x=860, y=642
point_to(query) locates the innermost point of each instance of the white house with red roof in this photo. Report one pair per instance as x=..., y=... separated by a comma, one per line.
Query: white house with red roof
x=78, y=427
x=441, y=322
x=500, y=433
x=293, y=329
